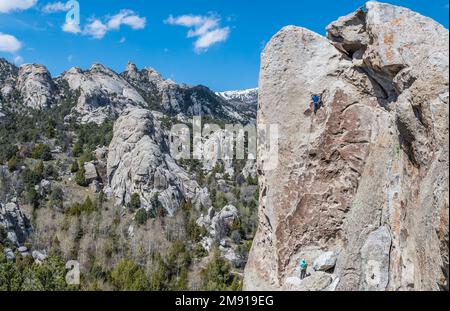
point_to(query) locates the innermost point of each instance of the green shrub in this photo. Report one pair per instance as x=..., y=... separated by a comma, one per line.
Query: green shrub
x=39, y=169
x=41, y=151
x=216, y=276
x=194, y=232
x=88, y=206
x=33, y=197
x=135, y=202
x=30, y=178
x=141, y=216
x=7, y=151
x=56, y=197
x=220, y=201
x=79, y=177
x=76, y=209
x=25, y=275
x=74, y=168
x=252, y=181
x=77, y=149
x=13, y=163
x=128, y=276
x=200, y=251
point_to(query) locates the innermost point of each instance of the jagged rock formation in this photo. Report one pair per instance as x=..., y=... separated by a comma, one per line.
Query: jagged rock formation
x=14, y=222
x=139, y=162
x=35, y=86
x=103, y=93
x=218, y=224
x=31, y=84
x=367, y=176
x=174, y=99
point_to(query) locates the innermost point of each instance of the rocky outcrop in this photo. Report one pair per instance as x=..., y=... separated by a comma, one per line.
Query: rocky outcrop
x=367, y=176
x=103, y=94
x=219, y=224
x=35, y=85
x=14, y=223
x=174, y=99
x=90, y=172
x=139, y=162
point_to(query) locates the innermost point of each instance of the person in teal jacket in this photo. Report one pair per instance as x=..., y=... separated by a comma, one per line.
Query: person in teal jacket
x=303, y=267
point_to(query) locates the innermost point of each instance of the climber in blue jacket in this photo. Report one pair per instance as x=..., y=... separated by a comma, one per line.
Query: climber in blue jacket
x=317, y=102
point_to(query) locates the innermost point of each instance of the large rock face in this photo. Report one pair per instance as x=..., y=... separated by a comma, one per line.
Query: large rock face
x=35, y=86
x=367, y=176
x=139, y=162
x=102, y=94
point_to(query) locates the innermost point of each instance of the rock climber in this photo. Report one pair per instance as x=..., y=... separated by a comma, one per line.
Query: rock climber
x=303, y=267
x=317, y=102
x=364, y=9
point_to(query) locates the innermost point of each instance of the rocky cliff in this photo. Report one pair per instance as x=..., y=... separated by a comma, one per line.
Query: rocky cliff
x=139, y=162
x=365, y=178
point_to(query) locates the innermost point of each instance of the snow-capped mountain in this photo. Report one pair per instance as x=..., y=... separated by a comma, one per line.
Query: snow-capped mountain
x=243, y=100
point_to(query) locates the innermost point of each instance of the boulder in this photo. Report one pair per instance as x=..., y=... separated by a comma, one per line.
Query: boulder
x=9, y=254
x=318, y=281
x=94, y=186
x=22, y=249
x=39, y=256
x=90, y=172
x=44, y=187
x=325, y=262
x=101, y=153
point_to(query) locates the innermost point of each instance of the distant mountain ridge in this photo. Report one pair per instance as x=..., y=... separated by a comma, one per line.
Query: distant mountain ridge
x=244, y=100
x=103, y=94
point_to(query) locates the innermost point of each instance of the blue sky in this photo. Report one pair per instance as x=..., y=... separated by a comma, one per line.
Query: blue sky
x=216, y=43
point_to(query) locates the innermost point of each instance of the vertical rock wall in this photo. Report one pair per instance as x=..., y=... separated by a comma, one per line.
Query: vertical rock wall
x=367, y=176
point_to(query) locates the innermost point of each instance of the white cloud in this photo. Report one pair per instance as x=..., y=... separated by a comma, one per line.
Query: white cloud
x=122, y=40
x=96, y=29
x=211, y=37
x=127, y=17
x=206, y=29
x=7, y=6
x=55, y=7
x=18, y=60
x=9, y=43
x=71, y=27
x=70, y=58
x=185, y=20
